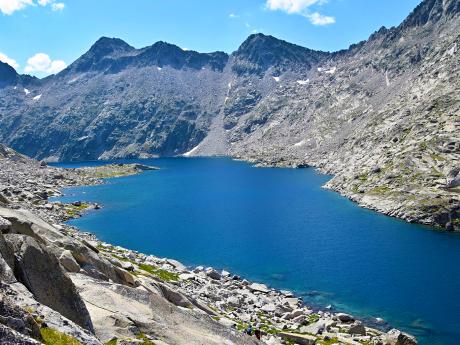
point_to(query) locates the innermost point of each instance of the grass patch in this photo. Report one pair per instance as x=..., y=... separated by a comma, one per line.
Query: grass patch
x=53, y=337
x=160, y=273
x=111, y=342
x=380, y=190
x=363, y=177
x=73, y=211
x=145, y=340
x=328, y=341
x=121, y=258
x=313, y=318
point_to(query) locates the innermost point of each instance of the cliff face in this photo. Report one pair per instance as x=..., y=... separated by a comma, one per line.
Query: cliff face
x=382, y=116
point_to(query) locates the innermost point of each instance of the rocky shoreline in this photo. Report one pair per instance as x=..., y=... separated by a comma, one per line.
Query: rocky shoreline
x=58, y=281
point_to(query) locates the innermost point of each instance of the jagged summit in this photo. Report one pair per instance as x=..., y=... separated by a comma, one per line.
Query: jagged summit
x=8, y=74
x=166, y=54
x=432, y=11
x=260, y=52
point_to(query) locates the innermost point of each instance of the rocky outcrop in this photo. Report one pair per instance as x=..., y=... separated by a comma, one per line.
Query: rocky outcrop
x=39, y=270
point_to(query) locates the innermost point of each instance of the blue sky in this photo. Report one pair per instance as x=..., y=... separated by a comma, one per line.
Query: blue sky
x=41, y=36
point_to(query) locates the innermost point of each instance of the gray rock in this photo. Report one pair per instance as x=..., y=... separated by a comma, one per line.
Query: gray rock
x=344, y=317
x=256, y=287
x=68, y=262
x=5, y=225
x=40, y=272
x=213, y=274
x=357, y=328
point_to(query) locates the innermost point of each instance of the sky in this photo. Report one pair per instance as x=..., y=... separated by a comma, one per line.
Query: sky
x=41, y=37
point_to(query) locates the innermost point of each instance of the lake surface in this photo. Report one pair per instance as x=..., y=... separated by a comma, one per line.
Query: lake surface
x=278, y=226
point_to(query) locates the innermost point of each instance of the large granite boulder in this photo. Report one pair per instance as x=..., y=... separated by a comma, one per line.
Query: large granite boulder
x=39, y=270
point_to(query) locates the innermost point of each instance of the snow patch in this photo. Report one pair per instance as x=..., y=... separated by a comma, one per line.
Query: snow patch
x=36, y=98
x=387, y=79
x=159, y=68
x=71, y=81
x=191, y=152
x=303, y=82
x=273, y=124
x=300, y=143
x=26, y=91
x=14, y=88
x=277, y=79
x=320, y=69
x=332, y=70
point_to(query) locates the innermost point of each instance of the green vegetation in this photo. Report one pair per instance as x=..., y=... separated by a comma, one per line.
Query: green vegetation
x=380, y=190
x=145, y=340
x=423, y=146
x=53, y=337
x=160, y=273
x=112, y=342
x=363, y=177
x=329, y=341
x=313, y=318
x=73, y=211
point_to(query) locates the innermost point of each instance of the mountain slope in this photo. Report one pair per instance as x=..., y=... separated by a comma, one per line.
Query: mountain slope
x=382, y=116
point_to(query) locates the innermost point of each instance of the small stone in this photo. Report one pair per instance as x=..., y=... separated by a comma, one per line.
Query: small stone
x=5, y=225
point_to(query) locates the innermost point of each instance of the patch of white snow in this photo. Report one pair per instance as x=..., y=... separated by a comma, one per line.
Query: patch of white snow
x=277, y=79
x=303, y=82
x=300, y=143
x=36, y=98
x=189, y=153
x=26, y=91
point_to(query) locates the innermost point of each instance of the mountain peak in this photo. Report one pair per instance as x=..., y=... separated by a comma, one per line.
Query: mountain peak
x=8, y=74
x=432, y=11
x=107, y=45
x=260, y=52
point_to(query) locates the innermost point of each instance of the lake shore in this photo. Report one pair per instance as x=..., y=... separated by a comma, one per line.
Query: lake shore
x=219, y=298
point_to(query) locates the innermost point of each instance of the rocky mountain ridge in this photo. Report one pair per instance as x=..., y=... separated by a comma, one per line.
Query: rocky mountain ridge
x=382, y=116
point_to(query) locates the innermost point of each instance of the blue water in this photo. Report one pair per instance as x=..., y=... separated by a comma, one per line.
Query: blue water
x=280, y=227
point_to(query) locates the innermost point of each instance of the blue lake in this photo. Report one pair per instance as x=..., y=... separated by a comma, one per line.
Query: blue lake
x=278, y=226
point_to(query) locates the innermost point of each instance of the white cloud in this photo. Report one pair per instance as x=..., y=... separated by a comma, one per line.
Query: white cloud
x=301, y=7
x=233, y=16
x=10, y=6
x=42, y=63
x=58, y=6
x=317, y=18
x=4, y=58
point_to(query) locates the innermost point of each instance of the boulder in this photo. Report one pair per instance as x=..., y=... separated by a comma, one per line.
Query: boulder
x=177, y=265
x=357, y=328
x=174, y=297
x=344, y=317
x=39, y=270
x=255, y=287
x=301, y=339
x=396, y=337
x=268, y=308
x=68, y=262
x=212, y=273
x=5, y=225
